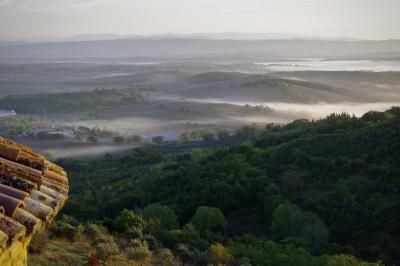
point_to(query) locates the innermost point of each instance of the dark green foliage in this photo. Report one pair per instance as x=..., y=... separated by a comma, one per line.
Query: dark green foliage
x=211, y=223
x=338, y=175
x=222, y=134
x=270, y=253
x=188, y=235
x=185, y=253
x=71, y=102
x=374, y=116
x=134, y=139
x=272, y=199
x=161, y=216
x=158, y=140
x=92, y=139
x=129, y=223
x=247, y=131
x=66, y=227
x=209, y=137
x=16, y=125
x=347, y=260
x=290, y=221
x=43, y=135
x=119, y=140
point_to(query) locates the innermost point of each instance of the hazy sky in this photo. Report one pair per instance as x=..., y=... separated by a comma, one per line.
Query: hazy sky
x=368, y=19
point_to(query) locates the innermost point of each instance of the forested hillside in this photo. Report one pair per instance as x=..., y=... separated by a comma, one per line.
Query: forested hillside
x=308, y=193
x=48, y=103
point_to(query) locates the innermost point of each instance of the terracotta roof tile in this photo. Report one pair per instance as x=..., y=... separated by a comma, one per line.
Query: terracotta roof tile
x=32, y=191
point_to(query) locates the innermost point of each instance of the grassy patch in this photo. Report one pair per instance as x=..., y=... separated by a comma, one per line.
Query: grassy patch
x=62, y=252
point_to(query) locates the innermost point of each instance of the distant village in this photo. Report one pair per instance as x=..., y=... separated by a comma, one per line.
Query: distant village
x=49, y=130
x=15, y=125
x=7, y=113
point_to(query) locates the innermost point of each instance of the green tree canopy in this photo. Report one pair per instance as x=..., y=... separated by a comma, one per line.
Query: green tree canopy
x=164, y=215
x=210, y=222
x=220, y=255
x=129, y=222
x=291, y=221
x=158, y=140
x=119, y=139
x=272, y=200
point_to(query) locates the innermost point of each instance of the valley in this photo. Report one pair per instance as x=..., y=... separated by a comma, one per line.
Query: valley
x=199, y=133
x=173, y=99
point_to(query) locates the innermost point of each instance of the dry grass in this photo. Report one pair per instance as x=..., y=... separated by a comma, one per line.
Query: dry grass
x=60, y=252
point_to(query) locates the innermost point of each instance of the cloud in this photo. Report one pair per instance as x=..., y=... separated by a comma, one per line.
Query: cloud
x=354, y=18
x=35, y=6
x=4, y=3
x=84, y=3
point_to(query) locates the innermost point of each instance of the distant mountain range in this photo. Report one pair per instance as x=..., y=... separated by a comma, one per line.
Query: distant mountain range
x=165, y=48
x=212, y=36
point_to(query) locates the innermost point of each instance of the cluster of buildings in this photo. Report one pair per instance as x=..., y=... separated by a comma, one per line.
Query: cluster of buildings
x=7, y=113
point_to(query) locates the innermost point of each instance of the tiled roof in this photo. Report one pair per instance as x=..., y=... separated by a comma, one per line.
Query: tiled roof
x=32, y=191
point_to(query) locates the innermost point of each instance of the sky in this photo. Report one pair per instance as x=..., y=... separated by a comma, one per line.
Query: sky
x=361, y=19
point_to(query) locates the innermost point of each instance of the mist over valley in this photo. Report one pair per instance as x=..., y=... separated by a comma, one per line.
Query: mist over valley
x=200, y=133
x=177, y=97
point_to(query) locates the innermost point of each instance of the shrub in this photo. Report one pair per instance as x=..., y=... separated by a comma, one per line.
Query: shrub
x=210, y=222
x=119, y=140
x=220, y=255
x=164, y=215
x=105, y=247
x=92, y=139
x=291, y=221
x=39, y=243
x=141, y=253
x=93, y=231
x=158, y=140
x=135, y=139
x=129, y=222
